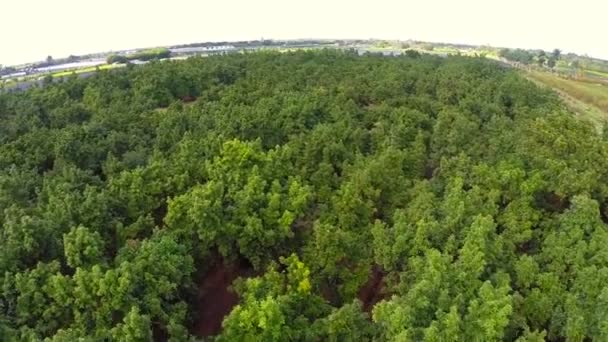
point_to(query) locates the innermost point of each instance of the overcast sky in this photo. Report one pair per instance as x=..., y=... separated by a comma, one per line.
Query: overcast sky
x=33, y=29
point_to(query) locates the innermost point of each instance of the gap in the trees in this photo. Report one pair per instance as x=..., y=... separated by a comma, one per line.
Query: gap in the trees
x=215, y=297
x=604, y=212
x=188, y=99
x=552, y=202
x=373, y=290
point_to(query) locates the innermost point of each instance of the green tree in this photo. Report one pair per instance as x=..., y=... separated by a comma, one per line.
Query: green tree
x=488, y=316
x=114, y=58
x=412, y=53
x=243, y=204
x=347, y=323
x=556, y=54
x=276, y=306
x=83, y=247
x=135, y=327
x=541, y=60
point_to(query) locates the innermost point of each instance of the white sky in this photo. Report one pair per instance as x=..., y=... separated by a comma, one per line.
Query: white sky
x=32, y=29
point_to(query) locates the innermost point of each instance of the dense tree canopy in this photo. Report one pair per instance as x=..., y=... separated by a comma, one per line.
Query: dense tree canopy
x=412, y=198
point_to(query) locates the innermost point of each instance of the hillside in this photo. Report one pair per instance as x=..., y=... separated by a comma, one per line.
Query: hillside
x=310, y=195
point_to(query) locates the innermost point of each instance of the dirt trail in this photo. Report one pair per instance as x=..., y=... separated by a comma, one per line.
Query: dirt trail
x=215, y=296
x=373, y=291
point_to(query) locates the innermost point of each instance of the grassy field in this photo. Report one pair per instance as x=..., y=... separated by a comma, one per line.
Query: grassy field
x=89, y=69
x=592, y=93
x=32, y=78
x=597, y=73
x=585, y=98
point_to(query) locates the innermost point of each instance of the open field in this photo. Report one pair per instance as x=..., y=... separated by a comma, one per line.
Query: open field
x=84, y=70
x=591, y=93
x=589, y=100
x=597, y=73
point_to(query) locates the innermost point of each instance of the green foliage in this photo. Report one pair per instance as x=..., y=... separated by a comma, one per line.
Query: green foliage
x=556, y=53
x=448, y=199
x=348, y=323
x=135, y=327
x=117, y=59
x=242, y=205
x=82, y=247
x=277, y=306
x=144, y=55
x=517, y=55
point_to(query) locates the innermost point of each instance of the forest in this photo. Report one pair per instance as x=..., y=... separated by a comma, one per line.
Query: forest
x=301, y=196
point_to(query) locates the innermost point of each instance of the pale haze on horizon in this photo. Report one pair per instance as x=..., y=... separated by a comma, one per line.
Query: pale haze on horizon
x=33, y=29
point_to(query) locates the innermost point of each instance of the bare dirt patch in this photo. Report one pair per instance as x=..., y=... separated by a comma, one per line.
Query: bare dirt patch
x=373, y=290
x=215, y=295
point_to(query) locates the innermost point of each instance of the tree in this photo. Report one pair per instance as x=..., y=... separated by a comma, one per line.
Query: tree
x=517, y=55
x=245, y=204
x=47, y=80
x=135, y=327
x=114, y=58
x=541, y=60
x=551, y=62
x=276, y=306
x=488, y=316
x=448, y=327
x=347, y=323
x=412, y=53
x=82, y=247
x=556, y=54
x=575, y=64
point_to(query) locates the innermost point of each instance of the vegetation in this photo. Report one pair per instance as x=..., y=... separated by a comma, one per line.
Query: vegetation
x=144, y=55
x=519, y=55
x=114, y=58
x=412, y=198
x=576, y=79
x=588, y=92
x=5, y=70
x=588, y=63
x=539, y=57
x=85, y=70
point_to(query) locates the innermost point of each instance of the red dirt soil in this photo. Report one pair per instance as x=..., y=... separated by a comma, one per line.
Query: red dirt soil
x=187, y=99
x=215, y=297
x=373, y=291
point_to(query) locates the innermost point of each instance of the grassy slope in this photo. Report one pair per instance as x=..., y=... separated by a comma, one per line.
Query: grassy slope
x=587, y=99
